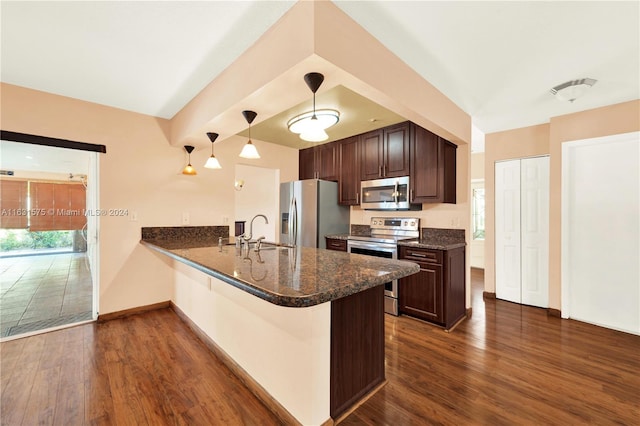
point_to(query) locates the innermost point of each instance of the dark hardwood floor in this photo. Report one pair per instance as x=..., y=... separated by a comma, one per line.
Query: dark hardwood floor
x=508, y=364
x=145, y=369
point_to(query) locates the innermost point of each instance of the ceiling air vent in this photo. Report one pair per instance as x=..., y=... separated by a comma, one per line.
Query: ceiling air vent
x=6, y=172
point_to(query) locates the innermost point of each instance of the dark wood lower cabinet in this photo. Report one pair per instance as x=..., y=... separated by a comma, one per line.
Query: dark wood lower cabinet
x=336, y=244
x=436, y=293
x=357, y=347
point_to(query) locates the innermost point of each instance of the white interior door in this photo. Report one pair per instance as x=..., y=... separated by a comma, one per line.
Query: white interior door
x=534, y=231
x=601, y=231
x=507, y=230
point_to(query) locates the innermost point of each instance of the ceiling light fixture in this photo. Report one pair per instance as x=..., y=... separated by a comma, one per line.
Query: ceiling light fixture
x=212, y=162
x=189, y=170
x=312, y=125
x=572, y=90
x=249, y=150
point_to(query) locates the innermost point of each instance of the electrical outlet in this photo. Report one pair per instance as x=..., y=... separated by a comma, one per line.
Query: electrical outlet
x=185, y=218
x=225, y=220
x=133, y=216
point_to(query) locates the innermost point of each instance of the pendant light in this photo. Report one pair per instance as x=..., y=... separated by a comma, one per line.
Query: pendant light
x=212, y=162
x=249, y=150
x=311, y=125
x=189, y=170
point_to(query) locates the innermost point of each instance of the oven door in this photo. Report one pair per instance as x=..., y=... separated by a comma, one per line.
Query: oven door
x=389, y=251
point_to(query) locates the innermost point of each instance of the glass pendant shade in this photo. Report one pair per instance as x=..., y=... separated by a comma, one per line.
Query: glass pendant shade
x=189, y=170
x=311, y=125
x=314, y=132
x=249, y=151
x=212, y=163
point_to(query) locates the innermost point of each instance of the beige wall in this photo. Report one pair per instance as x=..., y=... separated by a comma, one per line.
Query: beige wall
x=548, y=139
x=140, y=172
x=477, y=165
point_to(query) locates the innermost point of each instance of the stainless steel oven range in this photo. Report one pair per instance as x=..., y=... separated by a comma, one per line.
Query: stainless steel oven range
x=383, y=242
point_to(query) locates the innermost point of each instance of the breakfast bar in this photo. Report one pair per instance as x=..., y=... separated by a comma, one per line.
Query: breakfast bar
x=306, y=324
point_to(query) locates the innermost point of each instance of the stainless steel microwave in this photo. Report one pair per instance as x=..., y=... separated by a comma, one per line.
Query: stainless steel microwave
x=386, y=194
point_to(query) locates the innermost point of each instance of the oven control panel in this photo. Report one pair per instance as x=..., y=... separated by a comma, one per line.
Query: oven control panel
x=395, y=223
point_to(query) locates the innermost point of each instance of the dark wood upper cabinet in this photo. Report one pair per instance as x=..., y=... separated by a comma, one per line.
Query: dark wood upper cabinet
x=371, y=155
x=385, y=152
x=396, y=150
x=433, y=168
x=319, y=162
x=349, y=172
x=403, y=149
x=306, y=164
x=327, y=160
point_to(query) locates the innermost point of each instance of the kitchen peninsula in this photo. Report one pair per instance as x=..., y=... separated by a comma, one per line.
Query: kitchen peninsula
x=306, y=324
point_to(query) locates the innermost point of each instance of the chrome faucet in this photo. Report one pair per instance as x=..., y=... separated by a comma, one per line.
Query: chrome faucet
x=247, y=238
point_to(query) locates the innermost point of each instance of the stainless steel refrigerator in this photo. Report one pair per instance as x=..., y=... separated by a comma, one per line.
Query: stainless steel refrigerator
x=309, y=210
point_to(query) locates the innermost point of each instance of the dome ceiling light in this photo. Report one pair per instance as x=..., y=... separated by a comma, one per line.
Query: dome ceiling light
x=572, y=90
x=312, y=125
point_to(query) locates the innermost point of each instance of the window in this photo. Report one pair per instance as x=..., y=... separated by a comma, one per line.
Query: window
x=477, y=200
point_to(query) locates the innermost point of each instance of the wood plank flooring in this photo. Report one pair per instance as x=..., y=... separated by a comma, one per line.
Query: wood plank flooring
x=144, y=369
x=508, y=364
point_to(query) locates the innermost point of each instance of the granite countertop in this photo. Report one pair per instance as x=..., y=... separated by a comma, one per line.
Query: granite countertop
x=295, y=277
x=432, y=244
x=431, y=238
x=338, y=236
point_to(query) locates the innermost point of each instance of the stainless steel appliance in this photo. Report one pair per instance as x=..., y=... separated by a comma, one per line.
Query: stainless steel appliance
x=309, y=210
x=386, y=194
x=383, y=242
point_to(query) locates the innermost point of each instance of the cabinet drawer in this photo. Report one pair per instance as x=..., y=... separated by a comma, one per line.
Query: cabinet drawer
x=334, y=244
x=421, y=255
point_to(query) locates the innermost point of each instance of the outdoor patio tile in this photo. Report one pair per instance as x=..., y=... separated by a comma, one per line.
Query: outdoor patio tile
x=43, y=290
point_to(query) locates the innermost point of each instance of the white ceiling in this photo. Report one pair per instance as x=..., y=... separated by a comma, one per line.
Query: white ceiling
x=496, y=60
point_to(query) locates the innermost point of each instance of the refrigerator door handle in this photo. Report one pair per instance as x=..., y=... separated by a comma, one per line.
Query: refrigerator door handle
x=290, y=223
x=295, y=222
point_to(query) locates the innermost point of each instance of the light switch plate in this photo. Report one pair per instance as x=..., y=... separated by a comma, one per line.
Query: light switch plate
x=185, y=218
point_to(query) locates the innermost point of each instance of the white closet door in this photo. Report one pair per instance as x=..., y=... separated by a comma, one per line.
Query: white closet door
x=507, y=224
x=534, y=231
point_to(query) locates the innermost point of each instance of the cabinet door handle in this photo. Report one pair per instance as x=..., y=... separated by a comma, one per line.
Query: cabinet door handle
x=357, y=197
x=384, y=170
x=411, y=197
x=380, y=171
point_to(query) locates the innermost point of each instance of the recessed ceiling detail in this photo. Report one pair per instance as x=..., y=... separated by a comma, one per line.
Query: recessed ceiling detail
x=355, y=118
